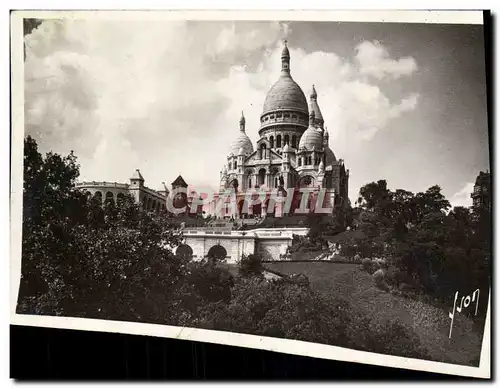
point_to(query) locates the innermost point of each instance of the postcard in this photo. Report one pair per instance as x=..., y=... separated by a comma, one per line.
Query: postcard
x=307, y=182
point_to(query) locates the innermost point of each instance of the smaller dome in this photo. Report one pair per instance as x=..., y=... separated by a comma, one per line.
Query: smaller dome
x=312, y=138
x=242, y=141
x=321, y=166
x=286, y=148
x=329, y=156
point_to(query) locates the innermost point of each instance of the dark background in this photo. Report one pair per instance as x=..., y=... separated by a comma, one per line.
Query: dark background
x=52, y=354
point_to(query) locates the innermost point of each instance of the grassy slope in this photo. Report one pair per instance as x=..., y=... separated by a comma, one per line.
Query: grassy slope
x=430, y=323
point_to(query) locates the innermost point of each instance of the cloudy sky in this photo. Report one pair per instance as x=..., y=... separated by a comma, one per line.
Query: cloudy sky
x=402, y=102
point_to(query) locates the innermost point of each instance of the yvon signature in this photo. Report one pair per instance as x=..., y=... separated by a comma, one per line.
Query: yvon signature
x=464, y=303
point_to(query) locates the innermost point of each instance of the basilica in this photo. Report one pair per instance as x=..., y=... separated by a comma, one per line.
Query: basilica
x=293, y=152
x=291, y=159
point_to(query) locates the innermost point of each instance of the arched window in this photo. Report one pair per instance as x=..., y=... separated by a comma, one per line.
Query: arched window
x=271, y=140
x=149, y=203
x=119, y=198
x=184, y=251
x=287, y=139
x=275, y=182
x=249, y=182
x=98, y=196
x=306, y=181
x=299, y=161
x=153, y=205
x=235, y=165
x=110, y=197
x=217, y=253
x=278, y=141
x=262, y=176
x=262, y=151
x=294, y=141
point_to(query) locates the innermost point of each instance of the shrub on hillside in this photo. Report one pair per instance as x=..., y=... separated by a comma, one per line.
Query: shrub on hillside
x=380, y=262
x=379, y=276
x=395, y=276
x=395, y=338
x=299, y=279
x=251, y=265
x=379, y=279
x=366, y=263
x=282, y=308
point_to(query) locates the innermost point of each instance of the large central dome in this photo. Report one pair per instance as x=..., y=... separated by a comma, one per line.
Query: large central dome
x=285, y=94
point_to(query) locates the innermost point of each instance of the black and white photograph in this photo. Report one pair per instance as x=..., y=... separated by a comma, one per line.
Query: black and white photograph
x=309, y=186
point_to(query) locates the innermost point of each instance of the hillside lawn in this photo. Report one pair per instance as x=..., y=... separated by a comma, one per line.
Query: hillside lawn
x=431, y=323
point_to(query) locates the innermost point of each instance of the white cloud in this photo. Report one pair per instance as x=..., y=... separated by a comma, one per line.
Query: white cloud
x=462, y=197
x=167, y=97
x=374, y=60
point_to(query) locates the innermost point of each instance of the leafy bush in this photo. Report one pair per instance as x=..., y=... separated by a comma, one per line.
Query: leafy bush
x=395, y=338
x=251, y=265
x=280, y=309
x=379, y=277
x=366, y=263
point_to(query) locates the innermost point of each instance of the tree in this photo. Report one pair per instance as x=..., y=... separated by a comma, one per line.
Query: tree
x=51, y=206
x=81, y=258
x=317, y=229
x=251, y=265
x=376, y=197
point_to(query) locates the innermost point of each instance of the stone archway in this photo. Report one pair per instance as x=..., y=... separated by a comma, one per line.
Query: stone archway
x=234, y=184
x=217, y=253
x=184, y=251
x=98, y=197
x=262, y=177
x=306, y=181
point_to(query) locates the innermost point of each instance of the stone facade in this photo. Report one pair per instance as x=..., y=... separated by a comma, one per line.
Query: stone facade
x=272, y=244
x=151, y=200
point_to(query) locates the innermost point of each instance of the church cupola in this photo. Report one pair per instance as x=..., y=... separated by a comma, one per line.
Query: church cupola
x=314, y=107
x=313, y=94
x=285, y=108
x=285, y=59
x=137, y=180
x=241, y=141
x=242, y=122
x=312, y=139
